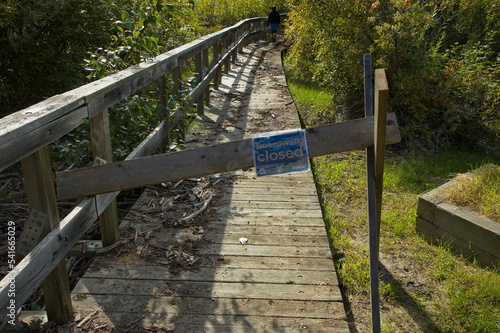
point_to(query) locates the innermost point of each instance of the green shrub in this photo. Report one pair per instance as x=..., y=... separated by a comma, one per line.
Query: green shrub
x=441, y=59
x=42, y=47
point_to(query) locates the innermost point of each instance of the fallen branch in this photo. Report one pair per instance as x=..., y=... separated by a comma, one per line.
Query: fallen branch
x=86, y=319
x=111, y=247
x=8, y=175
x=199, y=211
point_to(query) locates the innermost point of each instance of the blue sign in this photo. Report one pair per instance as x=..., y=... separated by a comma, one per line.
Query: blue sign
x=280, y=152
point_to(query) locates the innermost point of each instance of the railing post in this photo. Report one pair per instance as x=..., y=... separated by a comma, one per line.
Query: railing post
x=199, y=77
x=162, y=97
x=215, y=52
x=163, y=108
x=177, y=77
x=101, y=147
x=37, y=170
x=206, y=67
x=241, y=32
x=234, y=55
x=219, y=54
x=227, y=46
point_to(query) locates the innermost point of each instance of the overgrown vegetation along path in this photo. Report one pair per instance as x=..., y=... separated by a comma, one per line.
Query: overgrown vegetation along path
x=226, y=253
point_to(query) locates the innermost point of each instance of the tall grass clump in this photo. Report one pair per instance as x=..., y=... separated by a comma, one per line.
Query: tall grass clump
x=479, y=193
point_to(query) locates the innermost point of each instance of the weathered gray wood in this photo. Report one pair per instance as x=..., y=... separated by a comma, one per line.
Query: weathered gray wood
x=221, y=274
x=214, y=73
x=289, y=219
x=267, y=251
x=273, y=197
x=227, y=322
x=30, y=119
x=381, y=107
x=219, y=233
x=469, y=227
x=37, y=265
x=269, y=212
x=372, y=210
x=198, y=64
x=37, y=171
x=114, y=286
x=206, y=67
x=297, y=263
x=19, y=142
x=301, y=226
x=100, y=135
x=250, y=204
x=227, y=47
x=220, y=306
x=216, y=56
x=156, y=137
x=436, y=235
x=356, y=134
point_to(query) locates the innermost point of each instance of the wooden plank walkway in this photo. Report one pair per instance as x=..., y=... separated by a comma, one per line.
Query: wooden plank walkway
x=199, y=274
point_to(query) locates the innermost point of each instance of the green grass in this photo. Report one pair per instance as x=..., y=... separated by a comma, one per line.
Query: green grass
x=457, y=293
x=480, y=193
x=427, y=288
x=309, y=98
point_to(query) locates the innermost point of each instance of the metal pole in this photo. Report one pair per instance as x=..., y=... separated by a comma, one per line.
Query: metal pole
x=372, y=207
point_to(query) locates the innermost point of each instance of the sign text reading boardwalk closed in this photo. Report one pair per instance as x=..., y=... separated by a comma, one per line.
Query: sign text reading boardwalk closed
x=280, y=152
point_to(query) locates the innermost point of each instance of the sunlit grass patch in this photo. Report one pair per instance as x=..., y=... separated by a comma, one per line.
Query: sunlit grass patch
x=315, y=100
x=479, y=193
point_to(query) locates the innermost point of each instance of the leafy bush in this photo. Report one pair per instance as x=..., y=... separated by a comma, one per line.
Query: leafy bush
x=441, y=58
x=141, y=30
x=42, y=45
x=216, y=14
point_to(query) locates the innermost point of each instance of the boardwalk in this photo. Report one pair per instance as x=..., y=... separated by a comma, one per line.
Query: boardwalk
x=256, y=259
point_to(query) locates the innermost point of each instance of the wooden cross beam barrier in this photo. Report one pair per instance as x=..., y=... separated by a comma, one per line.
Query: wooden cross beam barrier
x=157, y=169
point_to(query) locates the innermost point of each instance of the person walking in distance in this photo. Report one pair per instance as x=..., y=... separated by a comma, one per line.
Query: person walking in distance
x=273, y=19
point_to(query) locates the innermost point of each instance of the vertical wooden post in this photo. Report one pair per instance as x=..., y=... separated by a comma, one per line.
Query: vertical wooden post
x=101, y=147
x=177, y=78
x=205, y=65
x=381, y=106
x=219, y=54
x=227, y=46
x=215, y=52
x=162, y=97
x=234, y=54
x=41, y=195
x=163, y=107
x=241, y=32
x=199, y=77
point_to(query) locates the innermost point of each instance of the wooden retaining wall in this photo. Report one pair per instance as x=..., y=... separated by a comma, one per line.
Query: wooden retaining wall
x=466, y=232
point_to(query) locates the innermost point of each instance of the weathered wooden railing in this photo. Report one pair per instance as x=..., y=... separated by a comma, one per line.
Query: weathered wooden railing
x=25, y=136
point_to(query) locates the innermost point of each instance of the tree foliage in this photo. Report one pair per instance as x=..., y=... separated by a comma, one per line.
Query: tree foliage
x=227, y=12
x=42, y=45
x=441, y=57
x=142, y=29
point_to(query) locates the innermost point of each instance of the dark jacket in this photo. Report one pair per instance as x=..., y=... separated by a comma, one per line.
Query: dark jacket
x=273, y=17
